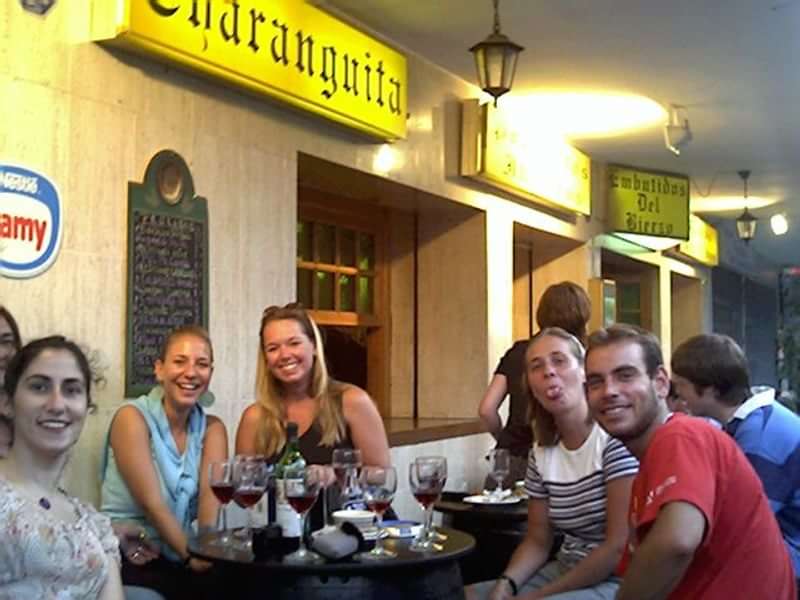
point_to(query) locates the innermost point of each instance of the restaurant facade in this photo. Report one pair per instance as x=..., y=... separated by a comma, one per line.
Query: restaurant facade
x=421, y=273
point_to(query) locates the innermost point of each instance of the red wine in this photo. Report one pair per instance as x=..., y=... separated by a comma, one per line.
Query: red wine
x=301, y=504
x=223, y=492
x=379, y=506
x=247, y=497
x=426, y=498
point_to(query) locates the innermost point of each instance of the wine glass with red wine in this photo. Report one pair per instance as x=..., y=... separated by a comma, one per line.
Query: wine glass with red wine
x=427, y=476
x=302, y=485
x=378, y=485
x=250, y=476
x=220, y=478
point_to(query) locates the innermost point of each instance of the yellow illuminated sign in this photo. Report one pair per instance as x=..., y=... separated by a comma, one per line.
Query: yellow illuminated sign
x=648, y=203
x=543, y=169
x=703, y=244
x=285, y=49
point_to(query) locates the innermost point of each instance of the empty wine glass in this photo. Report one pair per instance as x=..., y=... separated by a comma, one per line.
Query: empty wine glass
x=499, y=467
x=427, y=476
x=302, y=485
x=378, y=485
x=345, y=463
x=220, y=478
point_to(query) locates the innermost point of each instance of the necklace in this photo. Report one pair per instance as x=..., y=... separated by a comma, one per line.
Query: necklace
x=45, y=503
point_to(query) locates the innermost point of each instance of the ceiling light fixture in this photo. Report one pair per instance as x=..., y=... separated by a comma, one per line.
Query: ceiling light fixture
x=779, y=223
x=746, y=223
x=676, y=130
x=496, y=60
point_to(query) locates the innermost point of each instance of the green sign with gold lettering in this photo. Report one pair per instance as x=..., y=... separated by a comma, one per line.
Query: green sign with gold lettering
x=648, y=202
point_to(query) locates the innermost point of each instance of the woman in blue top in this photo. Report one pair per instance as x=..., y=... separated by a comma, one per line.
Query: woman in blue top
x=578, y=480
x=156, y=465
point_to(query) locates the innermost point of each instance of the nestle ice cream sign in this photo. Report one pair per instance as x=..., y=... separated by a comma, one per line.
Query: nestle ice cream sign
x=30, y=222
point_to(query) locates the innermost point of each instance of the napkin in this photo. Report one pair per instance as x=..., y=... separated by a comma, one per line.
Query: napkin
x=339, y=542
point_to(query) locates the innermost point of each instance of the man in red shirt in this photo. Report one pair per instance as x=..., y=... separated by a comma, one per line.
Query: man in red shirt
x=701, y=525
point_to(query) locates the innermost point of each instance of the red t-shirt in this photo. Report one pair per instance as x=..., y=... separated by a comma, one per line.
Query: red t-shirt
x=742, y=554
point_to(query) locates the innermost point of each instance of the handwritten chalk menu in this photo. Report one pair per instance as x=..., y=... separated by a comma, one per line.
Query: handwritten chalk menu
x=167, y=264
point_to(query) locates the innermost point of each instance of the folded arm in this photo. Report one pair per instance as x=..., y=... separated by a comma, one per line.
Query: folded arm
x=661, y=560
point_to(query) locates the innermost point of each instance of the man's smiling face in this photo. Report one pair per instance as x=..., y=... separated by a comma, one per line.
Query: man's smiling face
x=623, y=397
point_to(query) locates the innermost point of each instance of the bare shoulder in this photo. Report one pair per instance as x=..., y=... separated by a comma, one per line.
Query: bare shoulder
x=214, y=422
x=355, y=399
x=251, y=414
x=129, y=431
x=128, y=418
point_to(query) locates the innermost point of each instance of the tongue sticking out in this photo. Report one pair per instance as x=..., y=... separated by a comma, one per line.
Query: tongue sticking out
x=553, y=392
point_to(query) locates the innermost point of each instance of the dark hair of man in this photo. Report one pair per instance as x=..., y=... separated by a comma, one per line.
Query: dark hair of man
x=12, y=324
x=716, y=361
x=30, y=351
x=622, y=332
x=565, y=305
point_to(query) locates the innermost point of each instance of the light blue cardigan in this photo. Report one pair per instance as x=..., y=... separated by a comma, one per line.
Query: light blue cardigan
x=178, y=474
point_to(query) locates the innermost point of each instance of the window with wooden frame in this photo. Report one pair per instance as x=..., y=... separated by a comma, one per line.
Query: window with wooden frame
x=336, y=272
x=341, y=280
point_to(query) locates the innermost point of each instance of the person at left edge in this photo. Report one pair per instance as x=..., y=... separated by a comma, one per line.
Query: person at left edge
x=52, y=545
x=10, y=344
x=155, y=471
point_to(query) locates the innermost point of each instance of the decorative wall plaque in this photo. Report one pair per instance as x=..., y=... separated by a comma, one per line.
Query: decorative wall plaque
x=167, y=264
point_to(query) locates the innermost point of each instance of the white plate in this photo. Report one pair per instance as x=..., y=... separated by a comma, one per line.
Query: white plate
x=481, y=499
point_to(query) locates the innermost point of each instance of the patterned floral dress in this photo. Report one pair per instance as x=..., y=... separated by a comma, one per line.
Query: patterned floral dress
x=46, y=558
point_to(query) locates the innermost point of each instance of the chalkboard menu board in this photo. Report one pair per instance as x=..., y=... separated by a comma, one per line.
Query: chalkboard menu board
x=167, y=264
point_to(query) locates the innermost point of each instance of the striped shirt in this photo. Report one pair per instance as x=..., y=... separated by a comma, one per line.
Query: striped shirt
x=573, y=482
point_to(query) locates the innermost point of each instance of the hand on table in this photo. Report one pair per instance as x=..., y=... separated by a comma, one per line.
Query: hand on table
x=134, y=543
x=501, y=591
x=198, y=565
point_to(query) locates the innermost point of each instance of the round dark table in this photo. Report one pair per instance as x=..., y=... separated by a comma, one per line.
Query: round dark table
x=427, y=576
x=497, y=528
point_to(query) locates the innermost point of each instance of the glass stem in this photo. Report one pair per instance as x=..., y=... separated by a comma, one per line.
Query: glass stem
x=225, y=538
x=324, y=507
x=379, y=540
x=428, y=521
x=302, y=548
x=249, y=531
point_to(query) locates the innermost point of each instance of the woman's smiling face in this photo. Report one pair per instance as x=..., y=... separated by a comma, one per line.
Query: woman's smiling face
x=50, y=403
x=186, y=370
x=288, y=351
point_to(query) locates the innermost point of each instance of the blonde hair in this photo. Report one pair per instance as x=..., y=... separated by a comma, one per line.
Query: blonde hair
x=542, y=422
x=271, y=431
